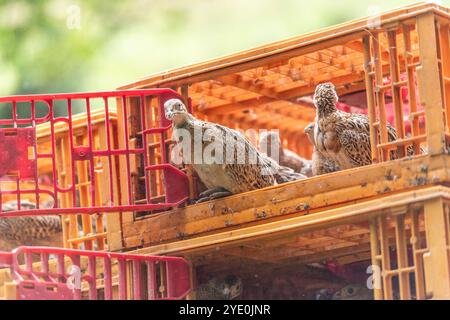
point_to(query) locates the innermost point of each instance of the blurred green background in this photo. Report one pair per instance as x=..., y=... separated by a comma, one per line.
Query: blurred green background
x=65, y=46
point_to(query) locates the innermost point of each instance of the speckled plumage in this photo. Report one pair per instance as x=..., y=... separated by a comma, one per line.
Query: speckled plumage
x=320, y=163
x=344, y=137
x=28, y=230
x=286, y=157
x=222, y=288
x=232, y=175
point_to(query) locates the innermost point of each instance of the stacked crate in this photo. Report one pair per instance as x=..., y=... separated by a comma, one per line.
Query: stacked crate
x=394, y=67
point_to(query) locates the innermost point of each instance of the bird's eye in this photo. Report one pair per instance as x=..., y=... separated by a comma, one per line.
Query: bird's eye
x=350, y=290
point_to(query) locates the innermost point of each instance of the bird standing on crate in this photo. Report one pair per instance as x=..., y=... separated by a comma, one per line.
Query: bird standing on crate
x=220, y=288
x=344, y=137
x=29, y=231
x=285, y=157
x=320, y=163
x=225, y=161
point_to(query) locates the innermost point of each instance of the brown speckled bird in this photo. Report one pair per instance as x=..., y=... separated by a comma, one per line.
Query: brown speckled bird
x=344, y=137
x=29, y=231
x=320, y=164
x=286, y=157
x=222, y=157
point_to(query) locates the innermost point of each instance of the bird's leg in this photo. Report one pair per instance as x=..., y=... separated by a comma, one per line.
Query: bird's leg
x=213, y=193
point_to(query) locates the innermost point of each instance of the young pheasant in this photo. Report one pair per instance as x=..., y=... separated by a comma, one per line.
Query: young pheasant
x=286, y=157
x=344, y=137
x=225, y=161
x=320, y=164
x=33, y=230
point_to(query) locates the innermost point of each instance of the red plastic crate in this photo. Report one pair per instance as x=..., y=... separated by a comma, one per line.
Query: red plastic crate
x=19, y=153
x=136, y=277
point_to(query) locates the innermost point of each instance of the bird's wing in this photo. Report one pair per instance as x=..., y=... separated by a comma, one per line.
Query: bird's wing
x=357, y=122
x=363, y=120
x=355, y=149
x=244, y=163
x=353, y=133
